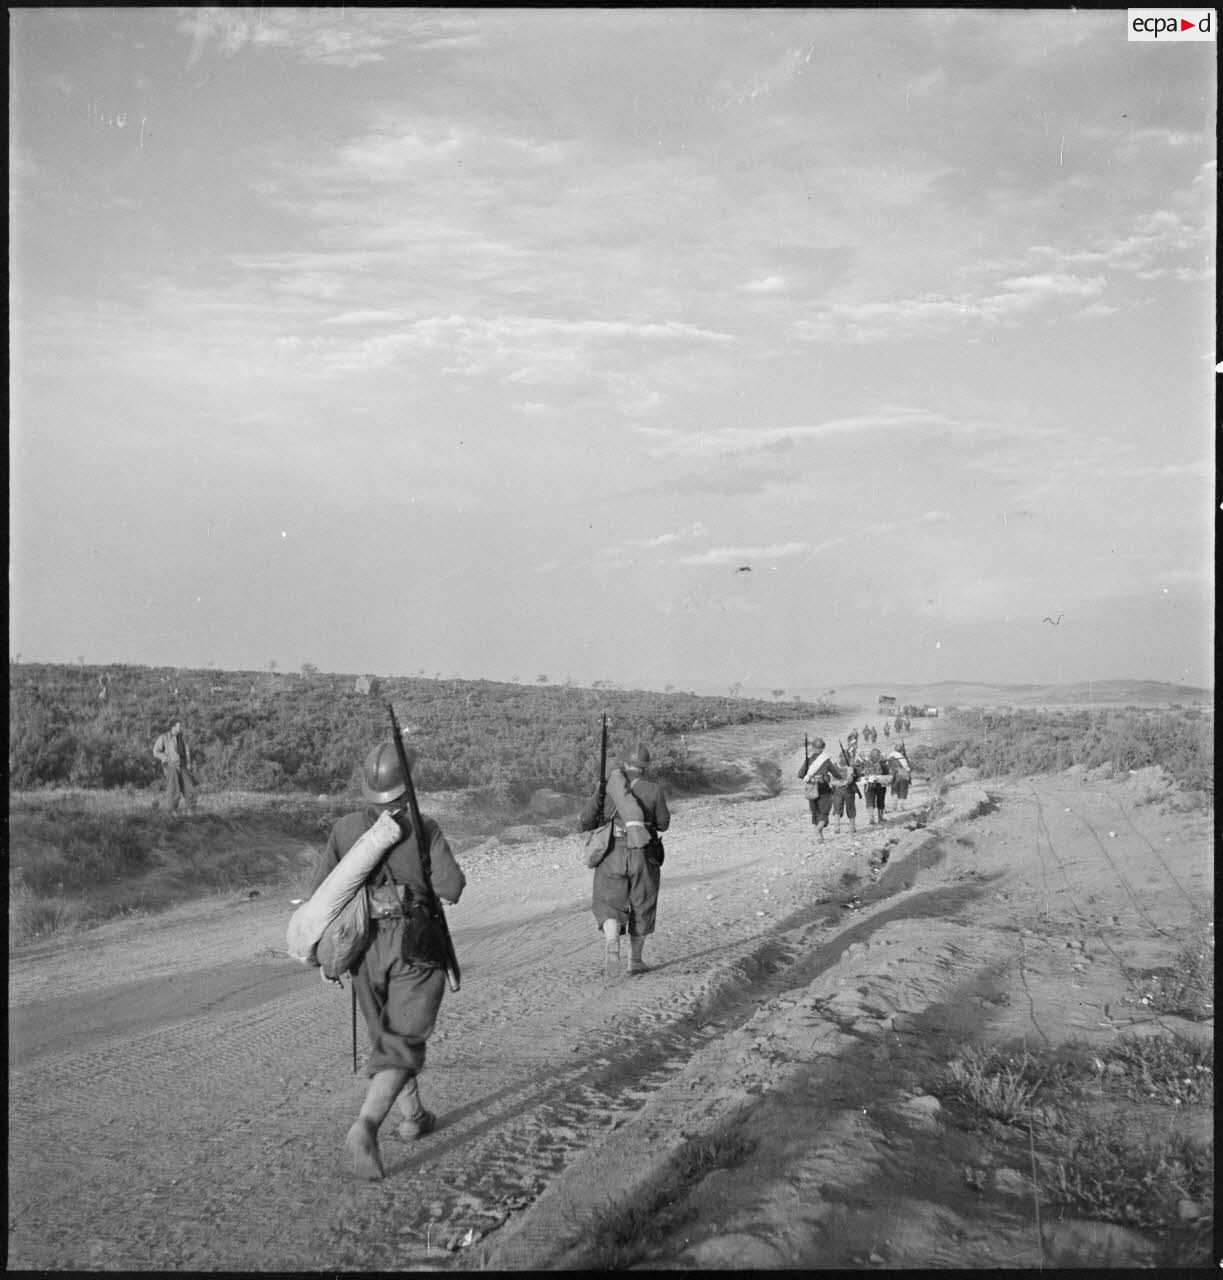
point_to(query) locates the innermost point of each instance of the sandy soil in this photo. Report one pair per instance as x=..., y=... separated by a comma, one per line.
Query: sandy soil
x=179, y=1088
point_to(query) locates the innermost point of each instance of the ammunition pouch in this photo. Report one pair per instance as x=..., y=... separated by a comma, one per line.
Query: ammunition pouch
x=423, y=937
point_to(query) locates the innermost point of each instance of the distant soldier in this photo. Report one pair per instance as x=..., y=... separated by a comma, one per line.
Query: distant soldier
x=172, y=750
x=400, y=980
x=876, y=786
x=845, y=794
x=887, y=731
x=625, y=892
x=902, y=774
x=819, y=772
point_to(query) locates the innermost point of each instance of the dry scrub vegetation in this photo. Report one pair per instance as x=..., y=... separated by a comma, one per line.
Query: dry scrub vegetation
x=1102, y=1144
x=1114, y=741
x=87, y=839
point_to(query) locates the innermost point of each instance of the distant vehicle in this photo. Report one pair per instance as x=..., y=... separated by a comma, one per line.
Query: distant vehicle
x=886, y=703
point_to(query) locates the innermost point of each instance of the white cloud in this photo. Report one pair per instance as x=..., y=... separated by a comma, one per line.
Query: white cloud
x=770, y=284
x=365, y=317
x=1050, y=285
x=745, y=555
x=920, y=316
x=696, y=530
x=728, y=441
x=340, y=37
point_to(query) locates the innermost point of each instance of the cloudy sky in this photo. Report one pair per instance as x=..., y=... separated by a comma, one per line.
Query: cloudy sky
x=772, y=347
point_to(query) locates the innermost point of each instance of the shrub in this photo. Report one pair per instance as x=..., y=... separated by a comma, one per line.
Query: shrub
x=32, y=915
x=1186, y=987
x=1033, y=742
x=617, y=1239
x=1120, y=1172
x=109, y=759
x=82, y=852
x=1169, y=1068
x=994, y=1085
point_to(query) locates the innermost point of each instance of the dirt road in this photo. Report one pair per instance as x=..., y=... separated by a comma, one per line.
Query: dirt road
x=179, y=1088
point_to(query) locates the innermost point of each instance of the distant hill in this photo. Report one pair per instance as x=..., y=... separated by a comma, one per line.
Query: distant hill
x=1138, y=693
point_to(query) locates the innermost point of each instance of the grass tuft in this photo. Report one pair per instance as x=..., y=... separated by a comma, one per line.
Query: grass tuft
x=1171, y=1069
x=995, y=1086
x=1186, y=987
x=1105, y=1145
x=1117, y=1171
x=618, y=1238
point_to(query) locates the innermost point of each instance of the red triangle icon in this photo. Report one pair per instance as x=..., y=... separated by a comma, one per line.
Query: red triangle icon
x=1187, y=26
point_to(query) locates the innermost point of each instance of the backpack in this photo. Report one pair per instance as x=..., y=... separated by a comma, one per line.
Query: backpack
x=346, y=938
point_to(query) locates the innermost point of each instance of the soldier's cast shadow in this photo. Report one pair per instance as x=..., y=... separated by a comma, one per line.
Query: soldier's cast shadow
x=635, y=1055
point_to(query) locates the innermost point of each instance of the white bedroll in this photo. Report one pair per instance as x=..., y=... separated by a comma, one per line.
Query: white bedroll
x=309, y=922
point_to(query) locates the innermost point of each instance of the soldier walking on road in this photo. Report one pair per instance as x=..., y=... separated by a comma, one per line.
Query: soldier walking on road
x=172, y=750
x=400, y=979
x=902, y=774
x=625, y=892
x=819, y=772
x=876, y=786
x=844, y=795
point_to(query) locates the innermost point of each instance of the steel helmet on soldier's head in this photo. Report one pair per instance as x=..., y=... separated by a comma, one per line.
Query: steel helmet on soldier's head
x=640, y=758
x=381, y=776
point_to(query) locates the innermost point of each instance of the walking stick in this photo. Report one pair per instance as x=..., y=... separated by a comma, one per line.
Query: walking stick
x=352, y=986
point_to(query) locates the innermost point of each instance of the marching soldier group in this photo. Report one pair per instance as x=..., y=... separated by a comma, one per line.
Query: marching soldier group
x=832, y=780
x=901, y=724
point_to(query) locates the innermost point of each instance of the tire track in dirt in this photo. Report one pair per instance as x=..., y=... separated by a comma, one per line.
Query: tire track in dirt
x=831, y=1083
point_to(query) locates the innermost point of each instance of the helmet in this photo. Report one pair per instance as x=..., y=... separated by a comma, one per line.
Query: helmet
x=381, y=777
x=640, y=758
x=818, y=743
x=875, y=754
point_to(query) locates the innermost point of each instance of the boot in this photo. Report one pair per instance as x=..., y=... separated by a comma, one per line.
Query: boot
x=416, y=1120
x=853, y=829
x=611, y=949
x=636, y=964
x=361, y=1141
